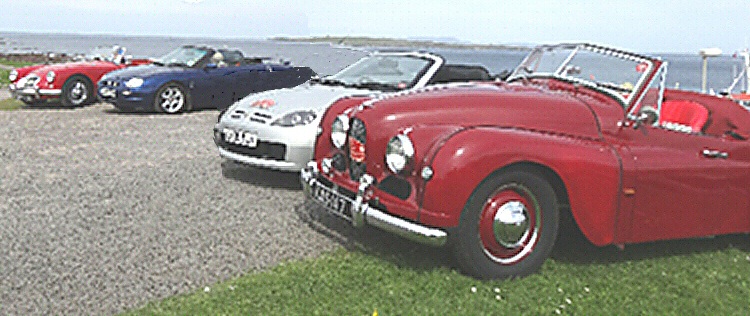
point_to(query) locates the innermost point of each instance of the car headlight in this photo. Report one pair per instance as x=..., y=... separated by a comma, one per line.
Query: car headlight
x=134, y=82
x=339, y=128
x=399, y=153
x=13, y=75
x=50, y=76
x=295, y=119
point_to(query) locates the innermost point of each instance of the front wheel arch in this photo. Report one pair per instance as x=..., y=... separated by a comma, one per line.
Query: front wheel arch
x=66, y=95
x=485, y=251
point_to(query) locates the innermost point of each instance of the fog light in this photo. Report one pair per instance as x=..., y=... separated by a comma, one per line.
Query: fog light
x=326, y=165
x=427, y=173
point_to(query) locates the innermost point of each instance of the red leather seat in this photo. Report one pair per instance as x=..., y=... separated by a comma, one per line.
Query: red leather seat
x=684, y=112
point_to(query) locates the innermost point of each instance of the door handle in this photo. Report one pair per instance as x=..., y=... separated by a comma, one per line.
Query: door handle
x=708, y=153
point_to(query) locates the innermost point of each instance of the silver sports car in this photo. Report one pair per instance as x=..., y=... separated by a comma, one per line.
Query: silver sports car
x=277, y=129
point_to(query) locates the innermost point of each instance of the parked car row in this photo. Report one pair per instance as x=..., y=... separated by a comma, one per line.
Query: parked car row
x=190, y=77
x=451, y=156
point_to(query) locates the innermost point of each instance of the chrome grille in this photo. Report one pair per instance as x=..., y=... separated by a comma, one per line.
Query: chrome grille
x=112, y=83
x=31, y=81
x=357, y=134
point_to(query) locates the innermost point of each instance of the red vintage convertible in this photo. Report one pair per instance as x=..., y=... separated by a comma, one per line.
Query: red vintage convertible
x=74, y=83
x=578, y=131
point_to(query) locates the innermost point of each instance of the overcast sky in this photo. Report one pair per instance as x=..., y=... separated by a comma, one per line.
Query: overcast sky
x=641, y=25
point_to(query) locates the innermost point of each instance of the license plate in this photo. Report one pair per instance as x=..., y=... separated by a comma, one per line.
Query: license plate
x=332, y=200
x=242, y=138
x=107, y=92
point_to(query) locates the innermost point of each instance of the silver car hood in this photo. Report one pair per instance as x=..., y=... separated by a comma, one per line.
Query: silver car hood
x=316, y=97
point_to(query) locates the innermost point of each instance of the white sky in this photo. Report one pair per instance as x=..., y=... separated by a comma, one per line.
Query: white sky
x=641, y=25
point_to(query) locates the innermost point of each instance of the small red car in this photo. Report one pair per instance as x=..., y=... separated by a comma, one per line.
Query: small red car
x=578, y=131
x=74, y=83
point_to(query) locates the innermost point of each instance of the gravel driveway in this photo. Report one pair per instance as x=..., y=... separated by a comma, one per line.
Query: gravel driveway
x=102, y=211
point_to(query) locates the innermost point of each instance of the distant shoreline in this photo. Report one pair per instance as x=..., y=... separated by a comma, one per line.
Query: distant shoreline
x=361, y=41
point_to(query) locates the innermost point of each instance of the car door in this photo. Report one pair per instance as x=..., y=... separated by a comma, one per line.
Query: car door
x=684, y=184
x=213, y=86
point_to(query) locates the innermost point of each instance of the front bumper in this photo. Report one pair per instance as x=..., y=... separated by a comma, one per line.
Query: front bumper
x=126, y=99
x=363, y=213
x=33, y=93
x=280, y=148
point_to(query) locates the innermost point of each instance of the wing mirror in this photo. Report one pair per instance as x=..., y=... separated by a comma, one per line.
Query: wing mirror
x=647, y=115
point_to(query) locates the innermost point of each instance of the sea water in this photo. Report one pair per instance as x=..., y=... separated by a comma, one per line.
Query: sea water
x=684, y=69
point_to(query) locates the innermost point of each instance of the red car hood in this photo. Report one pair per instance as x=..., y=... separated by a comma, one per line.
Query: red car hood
x=42, y=71
x=521, y=106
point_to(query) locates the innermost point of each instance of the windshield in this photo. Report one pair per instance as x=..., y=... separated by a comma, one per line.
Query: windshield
x=613, y=71
x=183, y=56
x=382, y=72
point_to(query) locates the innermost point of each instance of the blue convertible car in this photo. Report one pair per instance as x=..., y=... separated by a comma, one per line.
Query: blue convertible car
x=193, y=77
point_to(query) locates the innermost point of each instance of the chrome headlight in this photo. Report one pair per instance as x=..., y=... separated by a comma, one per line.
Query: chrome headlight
x=399, y=153
x=295, y=119
x=134, y=82
x=339, y=128
x=13, y=75
x=50, y=76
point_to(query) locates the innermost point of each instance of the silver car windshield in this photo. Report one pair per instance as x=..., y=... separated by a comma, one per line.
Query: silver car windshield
x=384, y=72
x=183, y=56
x=613, y=71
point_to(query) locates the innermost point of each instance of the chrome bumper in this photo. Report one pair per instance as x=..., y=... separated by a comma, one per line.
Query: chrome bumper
x=363, y=213
x=35, y=92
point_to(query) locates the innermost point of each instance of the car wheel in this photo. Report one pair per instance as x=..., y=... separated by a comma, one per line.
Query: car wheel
x=77, y=91
x=508, y=226
x=171, y=99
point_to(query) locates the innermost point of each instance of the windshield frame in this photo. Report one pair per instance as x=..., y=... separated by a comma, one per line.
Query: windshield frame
x=533, y=59
x=193, y=63
x=420, y=79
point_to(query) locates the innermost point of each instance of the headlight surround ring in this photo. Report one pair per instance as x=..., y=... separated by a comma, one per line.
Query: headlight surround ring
x=50, y=77
x=297, y=118
x=13, y=75
x=339, y=128
x=399, y=153
x=134, y=82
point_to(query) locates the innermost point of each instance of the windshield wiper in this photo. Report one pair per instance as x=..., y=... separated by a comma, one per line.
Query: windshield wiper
x=332, y=82
x=178, y=64
x=158, y=63
x=377, y=86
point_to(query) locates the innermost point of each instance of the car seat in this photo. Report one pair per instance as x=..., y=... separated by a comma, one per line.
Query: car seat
x=683, y=115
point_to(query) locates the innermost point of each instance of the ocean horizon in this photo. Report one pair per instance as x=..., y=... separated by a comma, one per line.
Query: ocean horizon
x=326, y=58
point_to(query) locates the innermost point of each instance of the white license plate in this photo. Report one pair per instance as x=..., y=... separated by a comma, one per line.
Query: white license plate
x=242, y=138
x=332, y=200
x=107, y=92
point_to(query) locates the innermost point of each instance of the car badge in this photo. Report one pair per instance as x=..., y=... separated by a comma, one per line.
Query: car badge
x=356, y=150
x=641, y=67
x=263, y=103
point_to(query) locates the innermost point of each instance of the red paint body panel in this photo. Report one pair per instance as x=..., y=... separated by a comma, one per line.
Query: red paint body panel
x=623, y=184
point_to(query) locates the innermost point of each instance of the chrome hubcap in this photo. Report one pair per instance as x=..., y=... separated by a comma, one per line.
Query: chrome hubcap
x=78, y=93
x=172, y=100
x=511, y=224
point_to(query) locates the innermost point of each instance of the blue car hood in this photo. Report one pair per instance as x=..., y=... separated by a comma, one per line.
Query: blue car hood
x=142, y=71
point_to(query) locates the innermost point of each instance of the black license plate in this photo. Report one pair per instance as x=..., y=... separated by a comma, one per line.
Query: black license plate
x=334, y=201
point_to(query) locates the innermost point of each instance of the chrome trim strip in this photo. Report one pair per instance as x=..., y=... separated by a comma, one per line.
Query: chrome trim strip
x=363, y=213
x=50, y=91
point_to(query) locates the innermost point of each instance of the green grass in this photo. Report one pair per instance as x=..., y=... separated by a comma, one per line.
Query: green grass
x=10, y=104
x=15, y=64
x=688, y=277
x=4, y=72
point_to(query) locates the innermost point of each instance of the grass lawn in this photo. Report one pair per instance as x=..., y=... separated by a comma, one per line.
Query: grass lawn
x=395, y=277
x=10, y=104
